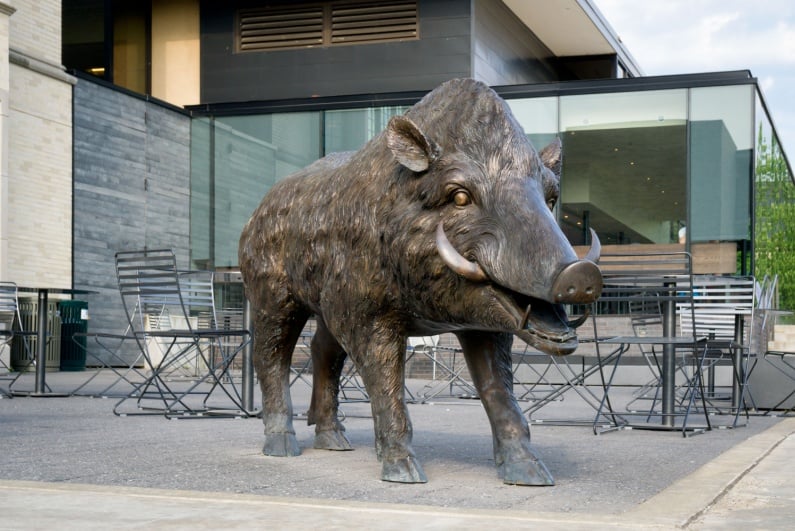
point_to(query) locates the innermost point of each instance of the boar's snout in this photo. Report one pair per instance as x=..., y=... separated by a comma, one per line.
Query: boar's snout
x=579, y=283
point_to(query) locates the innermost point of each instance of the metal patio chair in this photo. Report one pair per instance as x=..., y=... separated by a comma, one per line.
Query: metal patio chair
x=775, y=341
x=447, y=368
x=575, y=375
x=722, y=307
x=173, y=320
x=11, y=327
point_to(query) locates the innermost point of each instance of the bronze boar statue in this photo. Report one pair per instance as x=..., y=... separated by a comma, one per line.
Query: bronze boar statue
x=441, y=223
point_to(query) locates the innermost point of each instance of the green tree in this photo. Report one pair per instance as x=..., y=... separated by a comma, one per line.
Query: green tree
x=774, y=238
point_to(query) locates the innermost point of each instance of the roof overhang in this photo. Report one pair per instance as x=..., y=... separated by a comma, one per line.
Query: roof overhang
x=572, y=28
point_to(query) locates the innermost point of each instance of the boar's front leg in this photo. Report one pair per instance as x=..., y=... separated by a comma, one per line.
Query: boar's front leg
x=488, y=357
x=380, y=358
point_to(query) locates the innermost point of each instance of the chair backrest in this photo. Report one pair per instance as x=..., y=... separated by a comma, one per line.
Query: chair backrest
x=198, y=296
x=157, y=296
x=767, y=292
x=717, y=301
x=646, y=281
x=230, y=319
x=645, y=315
x=149, y=287
x=765, y=318
x=9, y=306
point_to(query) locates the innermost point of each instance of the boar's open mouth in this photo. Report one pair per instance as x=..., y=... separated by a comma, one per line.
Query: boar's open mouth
x=542, y=324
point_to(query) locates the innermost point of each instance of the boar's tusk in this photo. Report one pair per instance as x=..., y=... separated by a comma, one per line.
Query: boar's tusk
x=596, y=248
x=580, y=320
x=523, y=322
x=469, y=270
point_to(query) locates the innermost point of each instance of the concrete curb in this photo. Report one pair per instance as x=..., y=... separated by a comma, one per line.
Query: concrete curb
x=685, y=500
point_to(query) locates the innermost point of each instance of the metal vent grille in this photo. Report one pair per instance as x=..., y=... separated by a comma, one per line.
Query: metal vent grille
x=280, y=27
x=328, y=24
x=373, y=22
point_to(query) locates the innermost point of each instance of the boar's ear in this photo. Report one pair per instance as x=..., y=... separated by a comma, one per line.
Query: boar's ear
x=410, y=145
x=552, y=157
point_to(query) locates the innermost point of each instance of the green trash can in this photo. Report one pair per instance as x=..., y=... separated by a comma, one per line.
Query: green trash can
x=74, y=316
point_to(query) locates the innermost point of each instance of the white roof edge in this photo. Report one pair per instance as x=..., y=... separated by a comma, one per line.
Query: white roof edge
x=610, y=34
x=572, y=28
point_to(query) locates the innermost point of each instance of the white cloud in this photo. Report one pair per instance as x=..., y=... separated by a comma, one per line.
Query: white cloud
x=678, y=37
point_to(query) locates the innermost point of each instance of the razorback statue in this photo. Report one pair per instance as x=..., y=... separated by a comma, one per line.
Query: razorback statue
x=441, y=223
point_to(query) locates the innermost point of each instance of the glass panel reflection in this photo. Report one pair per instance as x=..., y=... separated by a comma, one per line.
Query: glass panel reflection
x=200, y=191
x=249, y=155
x=538, y=117
x=349, y=129
x=624, y=166
x=720, y=163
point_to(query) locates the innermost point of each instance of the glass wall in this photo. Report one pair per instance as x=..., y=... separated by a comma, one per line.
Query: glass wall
x=624, y=166
x=349, y=129
x=131, y=22
x=539, y=118
x=236, y=159
x=639, y=167
x=721, y=147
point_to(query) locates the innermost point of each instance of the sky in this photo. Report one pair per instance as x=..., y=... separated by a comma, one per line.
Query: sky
x=687, y=36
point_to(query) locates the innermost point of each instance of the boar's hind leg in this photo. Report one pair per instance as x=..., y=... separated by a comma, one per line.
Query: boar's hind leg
x=275, y=335
x=328, y=358
x=488, y=357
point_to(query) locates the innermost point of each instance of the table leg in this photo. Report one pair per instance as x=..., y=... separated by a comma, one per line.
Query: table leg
x=668, y=365
x=248, y=364
x=737, y=363
x=41, y=345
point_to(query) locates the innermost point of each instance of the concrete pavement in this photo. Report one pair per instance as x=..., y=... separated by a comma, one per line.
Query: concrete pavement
x=68, y=463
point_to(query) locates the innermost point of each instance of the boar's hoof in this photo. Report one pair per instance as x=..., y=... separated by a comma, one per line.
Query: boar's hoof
x=529, y=472
x=405, y=470
x=332, y=440
x=281, y=445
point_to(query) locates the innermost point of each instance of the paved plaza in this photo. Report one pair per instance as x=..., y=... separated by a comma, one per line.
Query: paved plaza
x=69, y=463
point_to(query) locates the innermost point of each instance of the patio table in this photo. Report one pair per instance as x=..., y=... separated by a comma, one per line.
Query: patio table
x=40, y=356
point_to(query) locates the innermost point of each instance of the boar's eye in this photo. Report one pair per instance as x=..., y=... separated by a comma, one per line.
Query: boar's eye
x=551, y=202
x=461, y=198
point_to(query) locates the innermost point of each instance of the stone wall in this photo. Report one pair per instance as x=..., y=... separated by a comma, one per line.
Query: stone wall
x=131, y=189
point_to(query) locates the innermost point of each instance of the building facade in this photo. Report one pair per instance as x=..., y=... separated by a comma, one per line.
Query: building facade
x=35, y=147
x=171, y=119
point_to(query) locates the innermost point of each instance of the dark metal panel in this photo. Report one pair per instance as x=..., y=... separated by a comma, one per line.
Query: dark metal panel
x=535, y=90
x=505, y=51
x=442, y=52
